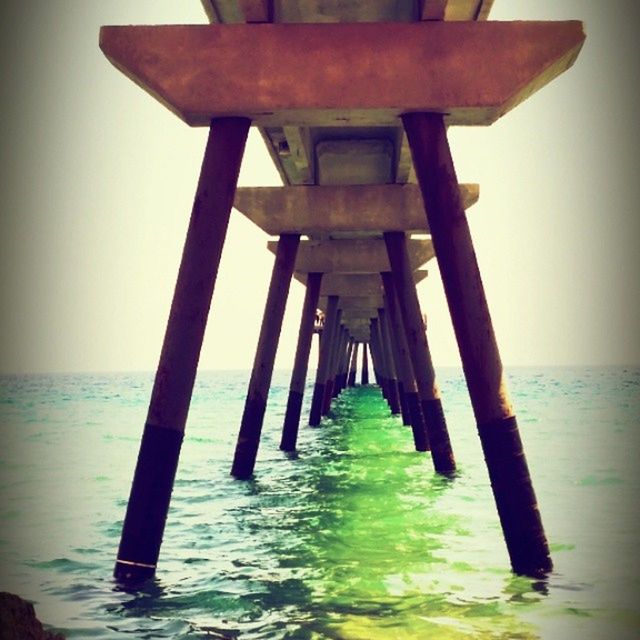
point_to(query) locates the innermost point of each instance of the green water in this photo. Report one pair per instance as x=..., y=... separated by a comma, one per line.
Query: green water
x=353, y=538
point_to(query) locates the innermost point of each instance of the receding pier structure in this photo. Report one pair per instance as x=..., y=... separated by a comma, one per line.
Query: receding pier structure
x=353, y=100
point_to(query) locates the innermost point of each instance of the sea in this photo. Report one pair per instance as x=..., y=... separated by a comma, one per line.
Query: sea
x=352, y=538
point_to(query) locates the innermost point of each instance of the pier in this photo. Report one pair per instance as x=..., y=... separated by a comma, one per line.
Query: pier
x=353, y=103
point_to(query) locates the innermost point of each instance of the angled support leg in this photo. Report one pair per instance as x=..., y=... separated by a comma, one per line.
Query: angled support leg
x=443, y=460
x=351, y=380
x=160, y=448
x=256, y=403
x=416, y=419
x=331, y=316
x=336, y=344
x=377, y=356
x=301, y=363
x=512, y=488
x=392, y=380
x=364, y=376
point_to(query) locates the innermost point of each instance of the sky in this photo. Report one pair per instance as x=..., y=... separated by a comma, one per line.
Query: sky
x=97, y=181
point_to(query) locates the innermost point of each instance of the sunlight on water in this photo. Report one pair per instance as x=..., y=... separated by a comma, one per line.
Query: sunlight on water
x=353, y=538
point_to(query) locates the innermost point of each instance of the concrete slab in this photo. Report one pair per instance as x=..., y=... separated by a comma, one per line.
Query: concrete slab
x=472, y=71
x=353, y=256
x=320, y=210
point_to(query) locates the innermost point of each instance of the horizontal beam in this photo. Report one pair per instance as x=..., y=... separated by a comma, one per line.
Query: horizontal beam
x=371, y=73
x=355, y=301
x=344, y=284
x=317, y=210
x=353, y=256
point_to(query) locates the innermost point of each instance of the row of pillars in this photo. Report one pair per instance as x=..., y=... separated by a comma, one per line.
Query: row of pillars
x=497, y=427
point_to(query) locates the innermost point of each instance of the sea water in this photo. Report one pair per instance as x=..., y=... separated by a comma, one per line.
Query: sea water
x=352, y=538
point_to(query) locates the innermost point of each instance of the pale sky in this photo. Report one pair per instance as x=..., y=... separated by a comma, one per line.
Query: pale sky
x=98, y=179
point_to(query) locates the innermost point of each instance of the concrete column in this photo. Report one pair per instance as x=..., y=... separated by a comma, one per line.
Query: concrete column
x=392, y=380
x=415, y=331
x=346, y=361
x=253, y=416
x=353, y=367
x=416, y=419
x=397, y=367
x=365, y=365
x=336, y=341
x=331, y=316
x=378, y=358
x=163, y=432
x=343, y=346
x=301, y=363
x=512, y=488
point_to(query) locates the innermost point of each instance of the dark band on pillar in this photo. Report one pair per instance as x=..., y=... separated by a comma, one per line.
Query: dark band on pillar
x=443, y=460
x=515, y=497
x=148, y=504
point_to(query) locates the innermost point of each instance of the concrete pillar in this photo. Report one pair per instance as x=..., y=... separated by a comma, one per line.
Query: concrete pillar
x=392, y=380
x=331, y=316
x=343, y=348
x=163, y=432
x=346, y=361
x=416, y=419
x=364, y=379
x=415, y=331
x=353, y=367
x=378, y=358
x=301, y=363
x=253, y=416
x=336, y=341
x=391, y=342
x=512, y=488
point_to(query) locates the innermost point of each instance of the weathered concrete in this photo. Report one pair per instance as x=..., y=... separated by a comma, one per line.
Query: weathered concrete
x=354, y=256
x=393, y=397
x=405, y=367
x=497, y=426
x=253, y=416
x=322, y=371
x=202, y=72
x=365, y=365
x=316, y=11
x=300, y=364
x=352, y=302
x=345, y=284
x=353, y=366
x=353, y=209
x=161, y=442
x=336, y=345
x=415, y=331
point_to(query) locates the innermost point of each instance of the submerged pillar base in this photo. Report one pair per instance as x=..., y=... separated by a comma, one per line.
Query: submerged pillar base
x=515, y=497
x=148, y=504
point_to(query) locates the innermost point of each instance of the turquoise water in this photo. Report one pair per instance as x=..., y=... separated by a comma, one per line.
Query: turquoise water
x=355, y=538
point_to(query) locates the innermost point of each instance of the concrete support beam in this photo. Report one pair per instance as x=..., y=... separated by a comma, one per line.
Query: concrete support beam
x=497, y=426
x=160, y=448
x=322, y=372
x=393, y=397
x=354, y=256
x=300, y=364
x=474, y=72
x=415, y=332
x=455, y=9
x=405, y=366
x=353, y=367
x=253, y=416
x=364, y=380
x=321, y=210
x=345, y=284
x=336, y=343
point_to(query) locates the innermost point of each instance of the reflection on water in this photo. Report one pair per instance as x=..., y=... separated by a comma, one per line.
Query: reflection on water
x=352, y=538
